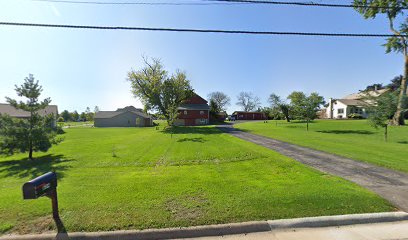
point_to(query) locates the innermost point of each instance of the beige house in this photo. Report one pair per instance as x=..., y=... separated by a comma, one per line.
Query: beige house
x=123, y=117
x=351, y=104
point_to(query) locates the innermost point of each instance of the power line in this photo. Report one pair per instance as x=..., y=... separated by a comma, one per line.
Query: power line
x=139, y=3
x=305, y=4
x=223, y=2
x=198, y=30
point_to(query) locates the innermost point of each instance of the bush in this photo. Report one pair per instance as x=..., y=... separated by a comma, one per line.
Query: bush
x=60, y=119
x=355, y=116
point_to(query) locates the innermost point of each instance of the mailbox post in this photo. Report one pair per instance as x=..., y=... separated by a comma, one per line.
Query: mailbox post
x=45, y=185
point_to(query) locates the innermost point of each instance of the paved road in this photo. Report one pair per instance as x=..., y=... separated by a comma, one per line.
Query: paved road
x=389, y=184
x=383, y=231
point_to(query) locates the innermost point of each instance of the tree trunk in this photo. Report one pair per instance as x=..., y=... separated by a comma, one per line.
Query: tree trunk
x=386, y=133
x=307, y=125
x=30, y=154
x=398, y=118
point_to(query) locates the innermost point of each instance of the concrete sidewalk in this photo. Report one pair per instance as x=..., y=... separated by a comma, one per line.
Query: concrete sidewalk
x=389, y=184
x=271, y=228
x=378, y=231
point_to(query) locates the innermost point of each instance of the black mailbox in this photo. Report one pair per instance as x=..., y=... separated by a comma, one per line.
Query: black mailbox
x=40, y=186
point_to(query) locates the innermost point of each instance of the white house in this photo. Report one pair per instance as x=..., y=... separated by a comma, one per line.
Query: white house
x=353, y=103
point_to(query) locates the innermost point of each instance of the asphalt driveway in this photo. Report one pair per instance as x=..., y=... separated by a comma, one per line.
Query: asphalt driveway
x=391, y=185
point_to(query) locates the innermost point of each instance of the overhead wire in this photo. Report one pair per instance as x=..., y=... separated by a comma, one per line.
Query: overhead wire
x=244, y=32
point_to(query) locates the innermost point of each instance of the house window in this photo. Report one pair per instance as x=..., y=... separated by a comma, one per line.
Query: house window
x=203, y=120
x=201, y=112
x=340, y=111
x=185, y=112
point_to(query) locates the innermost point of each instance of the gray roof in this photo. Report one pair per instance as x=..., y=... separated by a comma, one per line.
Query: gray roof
x=111, y=114
x=361, y=95
x=352, y=102
x=194, y=107
x=13, y=112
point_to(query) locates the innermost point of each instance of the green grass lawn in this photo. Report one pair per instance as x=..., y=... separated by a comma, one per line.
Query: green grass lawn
x=137, y=178
x=355, y=139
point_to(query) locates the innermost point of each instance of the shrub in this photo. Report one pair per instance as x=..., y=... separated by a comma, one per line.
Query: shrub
x=355, y=116
x=60, y=119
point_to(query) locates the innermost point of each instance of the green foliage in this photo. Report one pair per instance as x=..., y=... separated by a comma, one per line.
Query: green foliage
x=381, y=109
x=74, y=116
x=66, y=116
x=201, y=176
x=305, y=107
x=355, y=116
x=158, y=91
x=60, y=119
x=370, y=8
x=279, y=107
x=37, y=133
x=398, y=43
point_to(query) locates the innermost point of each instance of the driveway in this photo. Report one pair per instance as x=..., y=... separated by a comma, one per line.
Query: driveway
x=391, y=185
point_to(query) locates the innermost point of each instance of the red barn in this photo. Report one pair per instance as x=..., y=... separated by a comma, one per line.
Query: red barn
x=194, y=111
x=241, y=115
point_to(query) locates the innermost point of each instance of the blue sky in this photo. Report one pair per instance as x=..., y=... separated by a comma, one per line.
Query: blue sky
x=80, y=68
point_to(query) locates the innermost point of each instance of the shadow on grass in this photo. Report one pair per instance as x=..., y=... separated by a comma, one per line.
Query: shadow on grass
x=26, y=168
x=191, y=130
x=402, y=142
x=197, y=139
x=364, y=132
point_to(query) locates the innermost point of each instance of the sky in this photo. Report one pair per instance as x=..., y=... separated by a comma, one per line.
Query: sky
x=87, y=68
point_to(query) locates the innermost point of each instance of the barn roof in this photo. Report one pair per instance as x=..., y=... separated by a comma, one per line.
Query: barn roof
x=193, y=107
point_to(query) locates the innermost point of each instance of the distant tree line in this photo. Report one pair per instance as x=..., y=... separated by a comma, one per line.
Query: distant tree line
x=87, y=115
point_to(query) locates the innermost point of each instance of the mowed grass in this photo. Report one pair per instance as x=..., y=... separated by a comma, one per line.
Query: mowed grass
x=137, y=178
x=354, y=139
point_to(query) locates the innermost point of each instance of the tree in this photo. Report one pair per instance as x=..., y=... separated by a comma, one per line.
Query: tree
x=220, y=99
x=397, y=43
x=214, y=108
x=381, y=110
x=96, y=109
x=82, y=116
x=305, y=107
x=74, y=116
x=248, y=101
x=158, y=91
x=89, y=116
x=37, y=133
x=277, y=103
x=66, y=116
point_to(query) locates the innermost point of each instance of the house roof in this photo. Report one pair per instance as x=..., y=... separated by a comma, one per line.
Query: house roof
x=129, y=108
x=361, y=95
x=111, y=114
x=245, y=112
x=352, y=102
x=193, y=107
x=13, y=112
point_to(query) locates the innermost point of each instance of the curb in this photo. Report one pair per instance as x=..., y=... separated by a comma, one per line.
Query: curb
x=224, y=229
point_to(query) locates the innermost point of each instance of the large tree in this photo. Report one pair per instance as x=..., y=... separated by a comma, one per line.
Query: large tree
x=220, y=99
x=277, y=103
x=305, y=107
x=398, y=43
x=37, y=133
x=248, y=101
x=66, y=116
x=158, y=90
